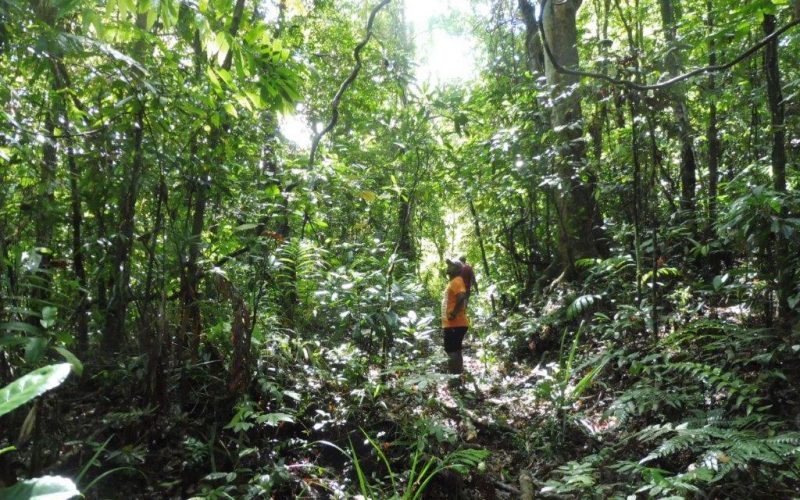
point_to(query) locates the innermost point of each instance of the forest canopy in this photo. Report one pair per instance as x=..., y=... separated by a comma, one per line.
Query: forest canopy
x=227, y=228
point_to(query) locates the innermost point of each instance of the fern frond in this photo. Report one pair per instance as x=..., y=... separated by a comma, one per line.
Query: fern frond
x=581, y=304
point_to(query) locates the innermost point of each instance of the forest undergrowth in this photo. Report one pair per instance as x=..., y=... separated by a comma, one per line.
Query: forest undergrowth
x=567, y=397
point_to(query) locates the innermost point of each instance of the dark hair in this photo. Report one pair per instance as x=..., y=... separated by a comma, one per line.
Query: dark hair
x=463, y=259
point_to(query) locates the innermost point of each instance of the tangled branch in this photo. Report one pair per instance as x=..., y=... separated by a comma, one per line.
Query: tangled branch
x=666, y=83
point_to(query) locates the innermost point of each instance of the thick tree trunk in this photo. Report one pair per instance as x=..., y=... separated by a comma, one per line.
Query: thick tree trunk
x=575, y=203
x=778, y=155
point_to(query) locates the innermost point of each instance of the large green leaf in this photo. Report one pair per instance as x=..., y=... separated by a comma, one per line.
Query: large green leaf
x=73, y=360
x=41, y=488
x=29, y=386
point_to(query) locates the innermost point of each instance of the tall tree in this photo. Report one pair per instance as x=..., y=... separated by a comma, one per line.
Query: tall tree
x=783, y=269
x=577, y=212
x=215, y=153
x=712, y=132
x=131, y=179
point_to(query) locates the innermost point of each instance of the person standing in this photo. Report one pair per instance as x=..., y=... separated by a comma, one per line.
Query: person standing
x=455, y=322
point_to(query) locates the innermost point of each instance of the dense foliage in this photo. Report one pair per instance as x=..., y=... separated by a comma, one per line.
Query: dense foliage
x=246, y=316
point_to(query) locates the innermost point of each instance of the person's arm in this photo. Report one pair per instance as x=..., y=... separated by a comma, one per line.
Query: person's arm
x=461, y=299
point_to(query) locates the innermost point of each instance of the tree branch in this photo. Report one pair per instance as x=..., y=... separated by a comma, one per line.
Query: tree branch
x=666, y=83
x=346, y=83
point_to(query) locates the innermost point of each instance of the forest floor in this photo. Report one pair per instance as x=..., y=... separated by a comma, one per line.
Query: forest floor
x=494, y=411
x=315, y=414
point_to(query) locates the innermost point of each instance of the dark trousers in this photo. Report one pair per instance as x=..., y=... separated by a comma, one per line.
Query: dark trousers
x=453, y=340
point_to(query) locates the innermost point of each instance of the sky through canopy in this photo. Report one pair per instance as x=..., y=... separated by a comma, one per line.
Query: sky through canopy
x=445, y=53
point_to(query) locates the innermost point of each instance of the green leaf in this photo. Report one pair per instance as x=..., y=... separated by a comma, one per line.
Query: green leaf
x=291, y=394
x=29, y=386
x=106, y=49
x=64, y=7
x=223, y=47
x=73, y=360
x=720, y=281
x=580, y=304
x=12, y=341
x=34, y=348
x=230, y=109
x=274, y=419
x=19, y=326
x=212, y=76
x=48, y=316
x=41, y=488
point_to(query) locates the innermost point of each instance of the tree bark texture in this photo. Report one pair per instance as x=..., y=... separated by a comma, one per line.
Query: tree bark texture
x=533, y=44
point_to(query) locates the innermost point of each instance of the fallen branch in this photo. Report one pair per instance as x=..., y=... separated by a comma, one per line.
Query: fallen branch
x=508, y=488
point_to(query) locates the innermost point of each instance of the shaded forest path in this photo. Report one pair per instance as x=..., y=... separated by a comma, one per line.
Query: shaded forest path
x=496, y=409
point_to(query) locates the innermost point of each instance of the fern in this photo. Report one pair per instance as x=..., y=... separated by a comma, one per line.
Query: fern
x=723, y=383
x=581, y=304
x=660, y=273
x=644, y=398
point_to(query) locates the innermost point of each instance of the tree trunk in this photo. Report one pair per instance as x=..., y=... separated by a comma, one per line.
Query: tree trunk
x=778, y=155
x=533, y=44
x=114, y=328
x=43, y=216
x=712, y=133
x=61, y=82
x=714, y=145
x=484, y=260
x=192, y=323
x=405, y=243
x=575, y=203
x=76, y=219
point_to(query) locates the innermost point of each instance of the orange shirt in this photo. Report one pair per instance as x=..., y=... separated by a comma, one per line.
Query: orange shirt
x=455, y=287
